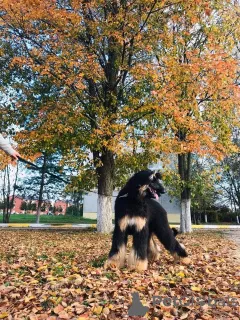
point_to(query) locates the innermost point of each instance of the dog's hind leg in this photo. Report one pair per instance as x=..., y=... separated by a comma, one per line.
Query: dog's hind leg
x=166, y=237
x=138, y=256
x=116, y=258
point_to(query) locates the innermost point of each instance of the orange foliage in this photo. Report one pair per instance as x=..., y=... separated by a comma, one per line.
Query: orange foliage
x=104, y=58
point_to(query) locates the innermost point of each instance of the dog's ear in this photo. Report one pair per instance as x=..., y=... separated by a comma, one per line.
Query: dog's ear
x=152, y=176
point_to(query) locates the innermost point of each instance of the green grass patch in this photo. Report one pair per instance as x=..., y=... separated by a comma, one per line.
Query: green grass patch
x=99, y=262
x=28, y=218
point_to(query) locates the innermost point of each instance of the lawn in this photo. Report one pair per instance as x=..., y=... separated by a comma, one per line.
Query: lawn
x=27, y=218
x=60, y=275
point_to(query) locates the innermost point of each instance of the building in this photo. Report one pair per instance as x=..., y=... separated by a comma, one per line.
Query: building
x=171, y=205
x=28, y=206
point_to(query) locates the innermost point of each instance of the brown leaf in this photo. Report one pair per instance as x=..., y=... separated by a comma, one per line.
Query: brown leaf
x=63, y=315
x=59, y=308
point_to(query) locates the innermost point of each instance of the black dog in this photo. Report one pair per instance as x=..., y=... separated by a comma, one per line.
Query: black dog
x=137, y=213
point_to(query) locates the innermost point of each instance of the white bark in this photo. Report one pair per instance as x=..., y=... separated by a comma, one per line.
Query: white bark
x=185, y=218
x=104, y=214
x=205, y=218
x=237, y=218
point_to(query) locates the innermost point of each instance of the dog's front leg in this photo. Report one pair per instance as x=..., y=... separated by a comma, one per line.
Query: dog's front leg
x=138, y=256
x=116, y=258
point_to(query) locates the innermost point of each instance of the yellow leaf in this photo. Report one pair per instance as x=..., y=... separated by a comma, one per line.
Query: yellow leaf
x=34, y=282
x=83, y=317
x=42, y=268
x=197, y=289
x=3, y=315
x=75, y=269
x=140, y=288
x=97, y=310
x=181, y=274
x=27, y=299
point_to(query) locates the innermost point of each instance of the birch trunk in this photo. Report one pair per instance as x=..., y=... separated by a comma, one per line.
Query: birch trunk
x=105, y=190
x=185, y=219
x=184, y=169
x=237, y=219
x=40, y=197
x=205, y=216
x=104, y=214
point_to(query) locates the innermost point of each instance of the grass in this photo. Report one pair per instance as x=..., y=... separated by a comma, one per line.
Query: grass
x=28, y=218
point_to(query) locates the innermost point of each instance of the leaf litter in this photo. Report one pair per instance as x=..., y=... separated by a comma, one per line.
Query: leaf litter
x=60, y=275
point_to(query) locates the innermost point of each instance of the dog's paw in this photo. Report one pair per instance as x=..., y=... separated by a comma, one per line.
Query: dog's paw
x=111, y=264
x=186, y=261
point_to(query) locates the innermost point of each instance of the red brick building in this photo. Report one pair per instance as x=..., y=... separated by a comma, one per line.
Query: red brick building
x=59, y=207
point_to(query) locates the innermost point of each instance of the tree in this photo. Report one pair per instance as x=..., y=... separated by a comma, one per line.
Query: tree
x=40, y=184
x=75, y=194
x=196, y=92
x=88, y=54
x=229, y=182
x=86, y=70
x=8, y=188
x=24, y=206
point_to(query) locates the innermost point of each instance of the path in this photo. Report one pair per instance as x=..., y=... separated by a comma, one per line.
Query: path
x=234, y=235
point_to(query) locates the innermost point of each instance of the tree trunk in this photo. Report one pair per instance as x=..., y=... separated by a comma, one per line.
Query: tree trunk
x=206, y=219
x=184, y=168
x=6, y=196
x=40, y=198
x=14, y=189
x=237, y=219
x=185, y=218
x=105, y=190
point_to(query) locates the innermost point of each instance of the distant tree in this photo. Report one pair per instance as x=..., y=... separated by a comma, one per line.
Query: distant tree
x=76, y=196
x=201, y=182
x=32, y=206
x=8, y=191
x=74, y=211
x=24, y=206
x=39, y=184
x=229, y=183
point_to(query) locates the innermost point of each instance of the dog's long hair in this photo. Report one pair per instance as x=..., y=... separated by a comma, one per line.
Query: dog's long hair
x=138, y=213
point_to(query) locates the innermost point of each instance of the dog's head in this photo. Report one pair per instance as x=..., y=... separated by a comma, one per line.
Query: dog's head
x=148, y=184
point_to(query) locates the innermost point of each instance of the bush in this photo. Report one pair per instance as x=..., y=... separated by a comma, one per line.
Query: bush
x=74, y=211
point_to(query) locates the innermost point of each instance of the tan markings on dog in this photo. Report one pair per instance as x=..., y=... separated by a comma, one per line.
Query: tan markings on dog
x=152, y=176
x=123, y=223
x=117, y=260
x=142, y=189
x=134, y=263
x=153, y=250
x=138, y=222
x=182, y=245
x=176, y=257
x=142, y=265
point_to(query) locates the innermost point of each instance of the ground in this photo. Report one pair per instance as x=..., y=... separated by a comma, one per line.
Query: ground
x=234, y=235
x=60, y=275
